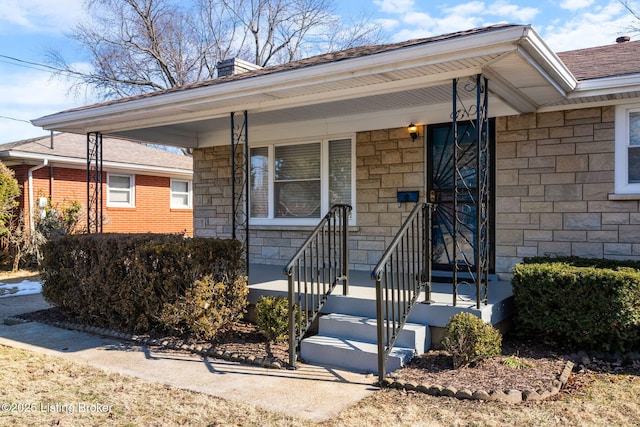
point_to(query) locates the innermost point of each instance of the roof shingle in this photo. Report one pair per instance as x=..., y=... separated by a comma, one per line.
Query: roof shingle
x=68, y=145
x=603, y=61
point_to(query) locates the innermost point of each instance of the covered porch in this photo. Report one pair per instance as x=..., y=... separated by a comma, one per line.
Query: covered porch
x=360, y=101
x=265, y=279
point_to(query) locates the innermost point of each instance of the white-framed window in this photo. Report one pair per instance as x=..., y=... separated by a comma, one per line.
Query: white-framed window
x=122, y=190
x=627, y=150
x=297, y=183
x=180, y=194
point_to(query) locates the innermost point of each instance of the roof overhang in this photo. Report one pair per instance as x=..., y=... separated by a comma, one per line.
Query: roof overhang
x=16, y=157
x=599, y=92
x=524, y=75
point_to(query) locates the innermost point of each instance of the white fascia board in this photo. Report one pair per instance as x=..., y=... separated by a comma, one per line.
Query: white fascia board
x=498, y=41
x=74, y=162
x=606, y=86
x=540, y=55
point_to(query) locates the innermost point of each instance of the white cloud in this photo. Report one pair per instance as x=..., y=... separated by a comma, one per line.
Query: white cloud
x=574, y=5
x=388, y=24
x=27, y=95
x=599, y=28
x=40, y=16
x=395, y=6
x=513, y=12
x=466, y=9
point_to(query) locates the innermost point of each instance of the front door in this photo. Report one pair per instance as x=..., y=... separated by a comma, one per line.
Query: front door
x=455, y=233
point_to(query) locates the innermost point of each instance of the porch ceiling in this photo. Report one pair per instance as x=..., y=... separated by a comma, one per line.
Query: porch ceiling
x=524, y=75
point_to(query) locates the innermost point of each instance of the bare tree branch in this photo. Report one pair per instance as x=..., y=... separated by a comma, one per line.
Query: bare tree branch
x=138, y=46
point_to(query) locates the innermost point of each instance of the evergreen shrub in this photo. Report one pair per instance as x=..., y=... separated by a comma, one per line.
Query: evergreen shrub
x=130, y=282
x=470, y=340
x=579, y=304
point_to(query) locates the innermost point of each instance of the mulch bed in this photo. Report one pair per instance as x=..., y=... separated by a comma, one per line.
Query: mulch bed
x=540, y=363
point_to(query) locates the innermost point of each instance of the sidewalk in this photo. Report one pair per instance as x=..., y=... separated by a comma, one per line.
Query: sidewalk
x=274, y=390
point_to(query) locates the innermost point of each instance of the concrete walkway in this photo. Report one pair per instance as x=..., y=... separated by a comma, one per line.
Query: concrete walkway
x=310, y=392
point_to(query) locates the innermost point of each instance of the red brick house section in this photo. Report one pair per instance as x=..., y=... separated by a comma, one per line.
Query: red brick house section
x=65, y=183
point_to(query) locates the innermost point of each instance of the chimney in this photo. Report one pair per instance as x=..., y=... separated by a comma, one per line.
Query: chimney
x=230, y=67
x=623, y=39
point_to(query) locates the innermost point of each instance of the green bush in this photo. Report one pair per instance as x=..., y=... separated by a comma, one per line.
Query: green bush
x=583, y=308
x=575, y=261
x=125, y=281
x=272, y=316
x=206, y=308
x=470, y=340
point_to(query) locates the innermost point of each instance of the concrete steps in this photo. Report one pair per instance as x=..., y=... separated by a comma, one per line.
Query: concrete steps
x=350, y=342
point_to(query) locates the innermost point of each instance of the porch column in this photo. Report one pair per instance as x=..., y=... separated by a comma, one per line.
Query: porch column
x=94, y=182
x=472, y=182
x=240, y=182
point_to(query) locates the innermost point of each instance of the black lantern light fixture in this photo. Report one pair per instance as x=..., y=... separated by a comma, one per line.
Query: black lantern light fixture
x=413, y=131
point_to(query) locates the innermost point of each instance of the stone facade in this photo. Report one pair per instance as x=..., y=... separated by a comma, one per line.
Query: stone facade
x=212, y=207
x=554, y=192
x=387, y=161
x=555, y=185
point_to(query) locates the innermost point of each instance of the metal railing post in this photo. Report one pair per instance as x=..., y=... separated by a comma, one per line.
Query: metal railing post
x=380, y=333
x=393, y=274
x=309, y=266
x=292, y=323
x=345, y=252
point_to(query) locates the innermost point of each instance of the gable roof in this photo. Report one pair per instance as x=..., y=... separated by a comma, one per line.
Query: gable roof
x=603, y=61
x=116, y=152
x=337, y=90
x=317, y=60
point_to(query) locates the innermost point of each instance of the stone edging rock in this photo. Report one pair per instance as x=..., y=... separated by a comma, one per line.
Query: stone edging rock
x=511, y=396
x=206, y=351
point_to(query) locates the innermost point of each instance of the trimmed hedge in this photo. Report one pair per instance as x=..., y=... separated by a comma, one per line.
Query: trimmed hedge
x=126, y=281
x=575, y=261
x=580, y=307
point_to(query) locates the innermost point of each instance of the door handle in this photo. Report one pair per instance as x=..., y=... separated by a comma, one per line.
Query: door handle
x=433, y=196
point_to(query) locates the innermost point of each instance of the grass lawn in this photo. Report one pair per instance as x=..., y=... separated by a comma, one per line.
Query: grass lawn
x=33, y=384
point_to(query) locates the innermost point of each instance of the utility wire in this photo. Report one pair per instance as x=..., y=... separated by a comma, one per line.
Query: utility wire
x=13, y=118
x=38, y=66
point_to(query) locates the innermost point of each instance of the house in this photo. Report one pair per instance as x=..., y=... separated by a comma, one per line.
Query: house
x=146, y=189
x=516, y=150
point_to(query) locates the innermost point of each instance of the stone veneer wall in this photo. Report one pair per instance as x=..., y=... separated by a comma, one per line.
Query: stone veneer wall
x=212, y=207
x=554, y=192
x=386, y=161
x=555, y=185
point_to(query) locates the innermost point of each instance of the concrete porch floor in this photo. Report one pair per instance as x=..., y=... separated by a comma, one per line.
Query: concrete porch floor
x=270, y=280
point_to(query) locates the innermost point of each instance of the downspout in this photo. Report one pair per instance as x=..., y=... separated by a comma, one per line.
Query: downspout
x=32, y=225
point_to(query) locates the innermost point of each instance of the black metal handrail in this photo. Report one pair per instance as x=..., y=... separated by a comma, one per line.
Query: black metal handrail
x=315, y=270
x=403, y=272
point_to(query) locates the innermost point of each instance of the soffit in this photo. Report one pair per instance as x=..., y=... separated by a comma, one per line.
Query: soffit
x=520, y=77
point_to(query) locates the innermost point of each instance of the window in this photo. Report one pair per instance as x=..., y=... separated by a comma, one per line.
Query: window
x=121, y=190
x=627, y=150
x=298, y=183
x=180, y=194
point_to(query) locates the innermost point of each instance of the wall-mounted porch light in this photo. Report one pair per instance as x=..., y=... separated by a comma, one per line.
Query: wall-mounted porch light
x=413, y=131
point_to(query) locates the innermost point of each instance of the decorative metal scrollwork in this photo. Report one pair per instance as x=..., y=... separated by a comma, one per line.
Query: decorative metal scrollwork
x=472, y=188
x=94, y=182
x=240, y=182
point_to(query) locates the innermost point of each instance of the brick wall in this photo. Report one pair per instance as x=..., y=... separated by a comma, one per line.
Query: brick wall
x=152, y=212
x=555, y=175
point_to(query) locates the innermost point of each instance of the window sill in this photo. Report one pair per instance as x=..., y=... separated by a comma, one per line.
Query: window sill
x=271, y=227
x=622, y=197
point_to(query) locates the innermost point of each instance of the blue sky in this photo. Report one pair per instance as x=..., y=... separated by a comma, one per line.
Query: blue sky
x=29, y=27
